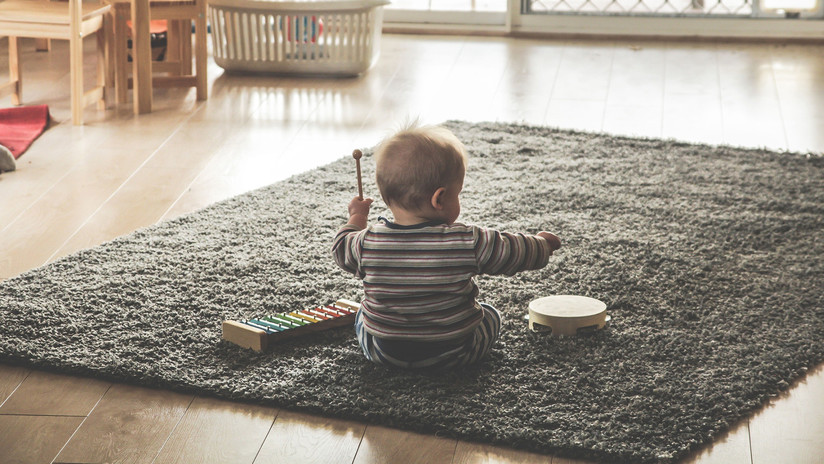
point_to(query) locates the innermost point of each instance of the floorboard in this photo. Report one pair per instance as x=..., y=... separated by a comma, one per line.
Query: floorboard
x=383, y=444
x=302, y=439
x=34, y=439
x=10, y=379
x=44, y=393
x=217, y=431
x=129, y=425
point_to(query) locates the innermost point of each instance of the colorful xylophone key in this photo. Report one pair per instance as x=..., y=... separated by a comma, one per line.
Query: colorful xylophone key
x=261, y=332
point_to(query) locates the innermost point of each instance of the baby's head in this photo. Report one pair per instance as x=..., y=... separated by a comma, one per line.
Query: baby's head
x=415, y=163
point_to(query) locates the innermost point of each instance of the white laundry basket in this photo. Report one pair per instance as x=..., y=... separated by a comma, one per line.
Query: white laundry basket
x=337, y=37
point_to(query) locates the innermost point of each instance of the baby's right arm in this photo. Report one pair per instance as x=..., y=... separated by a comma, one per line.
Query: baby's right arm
x=505, y=253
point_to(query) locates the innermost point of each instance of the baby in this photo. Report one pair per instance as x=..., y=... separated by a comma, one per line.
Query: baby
x=420, y=309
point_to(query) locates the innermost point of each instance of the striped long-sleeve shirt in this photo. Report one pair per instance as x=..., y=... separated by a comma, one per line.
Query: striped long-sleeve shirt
x=417, y=280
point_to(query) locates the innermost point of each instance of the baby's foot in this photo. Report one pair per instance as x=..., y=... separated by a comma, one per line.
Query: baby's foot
x=6, y=160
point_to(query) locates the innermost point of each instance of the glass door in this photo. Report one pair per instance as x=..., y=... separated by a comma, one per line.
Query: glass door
x=791, y=9
x=661, y=18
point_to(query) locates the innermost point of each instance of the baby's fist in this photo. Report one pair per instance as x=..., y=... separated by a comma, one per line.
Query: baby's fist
x=360, y=207
x=552, y=239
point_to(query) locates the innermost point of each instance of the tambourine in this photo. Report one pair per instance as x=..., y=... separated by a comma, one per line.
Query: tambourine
x=567, y=314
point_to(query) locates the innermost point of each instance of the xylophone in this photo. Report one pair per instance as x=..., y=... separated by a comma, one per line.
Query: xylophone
x=260, y=333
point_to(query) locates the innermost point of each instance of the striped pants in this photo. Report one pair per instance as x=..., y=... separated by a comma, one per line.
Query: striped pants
x=428, y=355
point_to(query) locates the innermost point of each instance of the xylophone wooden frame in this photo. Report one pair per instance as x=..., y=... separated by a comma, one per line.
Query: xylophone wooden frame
x=247, y=336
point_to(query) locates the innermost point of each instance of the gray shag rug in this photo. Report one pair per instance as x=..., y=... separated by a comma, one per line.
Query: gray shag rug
x=709, y=259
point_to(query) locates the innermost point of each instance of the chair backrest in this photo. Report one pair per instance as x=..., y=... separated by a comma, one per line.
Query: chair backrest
x=48, y=19
x=60, y=20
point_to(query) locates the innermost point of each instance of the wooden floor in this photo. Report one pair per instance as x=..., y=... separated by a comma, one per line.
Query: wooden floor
x=79, y=186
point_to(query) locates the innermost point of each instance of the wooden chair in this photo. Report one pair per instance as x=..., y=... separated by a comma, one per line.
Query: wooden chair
x=177, y=63
x=72, y=21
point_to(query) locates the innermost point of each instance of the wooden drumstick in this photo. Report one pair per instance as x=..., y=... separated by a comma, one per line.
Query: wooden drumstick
x=357, y=155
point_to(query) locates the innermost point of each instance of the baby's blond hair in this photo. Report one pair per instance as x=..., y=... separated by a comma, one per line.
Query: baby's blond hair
x=416, y=161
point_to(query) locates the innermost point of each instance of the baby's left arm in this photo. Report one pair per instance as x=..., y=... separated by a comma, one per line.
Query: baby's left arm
x=552, y=239
x=346, y=246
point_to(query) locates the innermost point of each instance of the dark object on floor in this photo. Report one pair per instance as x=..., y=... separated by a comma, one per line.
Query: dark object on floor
x=158, y=46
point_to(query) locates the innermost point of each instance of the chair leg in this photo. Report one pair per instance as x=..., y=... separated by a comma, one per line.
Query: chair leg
x=76, y=66
x=186, y=47
x=103, y=74
x=173, y=44
x=15, y=73
x=200, y=54
x=141, y=57
x=121, y=62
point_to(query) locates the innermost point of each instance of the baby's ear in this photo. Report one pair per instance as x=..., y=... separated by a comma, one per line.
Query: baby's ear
x=437, y=198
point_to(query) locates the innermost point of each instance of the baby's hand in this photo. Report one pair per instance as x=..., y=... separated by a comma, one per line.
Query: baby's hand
x=552, y=239
x=359, y=211
x=358, y=206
